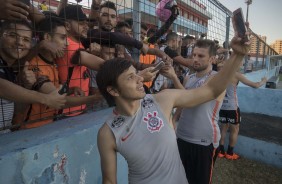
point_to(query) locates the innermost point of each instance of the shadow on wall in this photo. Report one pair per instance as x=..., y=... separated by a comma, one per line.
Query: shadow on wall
x=63, y=152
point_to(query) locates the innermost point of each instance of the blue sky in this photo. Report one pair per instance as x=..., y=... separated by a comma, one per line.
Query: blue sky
x=264, y=16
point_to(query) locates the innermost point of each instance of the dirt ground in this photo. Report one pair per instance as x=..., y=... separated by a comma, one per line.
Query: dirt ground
x=245, y=171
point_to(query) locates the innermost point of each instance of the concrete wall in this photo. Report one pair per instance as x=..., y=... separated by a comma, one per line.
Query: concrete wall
x=258, y=150
x=64, y=152
x=262, y=101
x=257, y=75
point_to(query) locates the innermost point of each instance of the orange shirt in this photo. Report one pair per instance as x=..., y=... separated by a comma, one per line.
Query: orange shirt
x=148, y=59
x=37, y=112
x=79, y=76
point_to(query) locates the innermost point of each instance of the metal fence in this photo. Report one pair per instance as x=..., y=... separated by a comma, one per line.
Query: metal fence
x=208, y=19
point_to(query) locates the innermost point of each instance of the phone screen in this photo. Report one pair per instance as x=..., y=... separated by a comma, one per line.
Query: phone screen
x=239, y=23
x=158, y=66
x=64, y=89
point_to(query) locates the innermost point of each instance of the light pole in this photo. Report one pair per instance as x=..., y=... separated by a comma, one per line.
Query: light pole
x=248, y=2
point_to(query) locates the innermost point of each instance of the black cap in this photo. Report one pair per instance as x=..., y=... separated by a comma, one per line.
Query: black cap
x=188, y=37
x=73, y=12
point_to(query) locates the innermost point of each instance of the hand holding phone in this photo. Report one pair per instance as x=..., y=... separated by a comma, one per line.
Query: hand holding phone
x=239, y=24
x=64, y=89
x=158, y=66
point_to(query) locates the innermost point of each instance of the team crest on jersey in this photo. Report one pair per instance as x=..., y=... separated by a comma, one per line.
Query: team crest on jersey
x=154, y=123
x=118, y=122
x=147, y=103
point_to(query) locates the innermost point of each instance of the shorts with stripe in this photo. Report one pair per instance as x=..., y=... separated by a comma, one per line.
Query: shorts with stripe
x=230, y=116
x=198, y=161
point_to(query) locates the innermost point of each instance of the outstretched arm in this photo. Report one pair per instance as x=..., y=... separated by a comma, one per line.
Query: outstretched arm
x=240, y=77
x=107, y=150
x=81, y=57
x=191, y=98
x=153, y=39
x=19, y=94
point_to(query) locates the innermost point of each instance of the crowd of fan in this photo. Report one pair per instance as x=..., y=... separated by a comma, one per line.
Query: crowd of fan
x=48, y=60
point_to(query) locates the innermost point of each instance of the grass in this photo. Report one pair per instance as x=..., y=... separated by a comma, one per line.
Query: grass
x=245, y=171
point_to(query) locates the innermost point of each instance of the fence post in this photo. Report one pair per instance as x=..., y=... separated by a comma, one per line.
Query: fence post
x=258, y=47
x=263, y=56
x=227, y=31
x=136, y=17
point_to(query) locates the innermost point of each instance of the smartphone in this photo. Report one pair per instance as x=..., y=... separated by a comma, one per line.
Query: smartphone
x=239, y=24
x=158, y=66
x=64, y=89
x=27, y=2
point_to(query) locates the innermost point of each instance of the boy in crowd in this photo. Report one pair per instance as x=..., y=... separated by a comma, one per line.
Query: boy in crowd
x=16, y=41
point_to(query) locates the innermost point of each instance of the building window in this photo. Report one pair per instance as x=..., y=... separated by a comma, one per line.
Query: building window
x=191, y=17
x=185, y=15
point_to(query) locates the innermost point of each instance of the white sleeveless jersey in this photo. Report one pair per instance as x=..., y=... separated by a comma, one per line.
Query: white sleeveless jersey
x=199, y=125
x=230, y=101
x=148, y=144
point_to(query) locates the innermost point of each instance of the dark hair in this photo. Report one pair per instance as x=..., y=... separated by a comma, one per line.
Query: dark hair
x=171, y=35
x=129, y=22
x=151, y=31
x=207, y=44
x=7, y=24
x=189, y=37
x=144, y=26
x=120, y=25
x=48, y=25
x=108, y=76
x=108, y=4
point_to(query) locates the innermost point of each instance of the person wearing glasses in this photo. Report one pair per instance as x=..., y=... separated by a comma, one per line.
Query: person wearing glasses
x=15, y=43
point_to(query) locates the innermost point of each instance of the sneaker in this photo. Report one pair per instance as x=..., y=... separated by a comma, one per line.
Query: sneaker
x=221, y=155
x=232, y=157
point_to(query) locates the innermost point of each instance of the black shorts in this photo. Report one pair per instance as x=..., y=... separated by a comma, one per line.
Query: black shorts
x=197, y=160
x=230, y=116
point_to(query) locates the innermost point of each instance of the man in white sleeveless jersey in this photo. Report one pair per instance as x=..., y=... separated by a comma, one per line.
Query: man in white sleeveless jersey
x=198, y=133
x=230, y=117
x=139, y=127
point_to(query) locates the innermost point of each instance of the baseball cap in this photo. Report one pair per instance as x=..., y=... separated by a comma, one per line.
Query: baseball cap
x=188, y=37
x=73, y=12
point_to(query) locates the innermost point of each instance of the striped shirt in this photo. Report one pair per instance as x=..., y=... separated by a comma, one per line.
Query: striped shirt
x=6, y=106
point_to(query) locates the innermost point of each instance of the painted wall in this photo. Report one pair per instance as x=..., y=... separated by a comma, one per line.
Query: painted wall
x=258, y=150
x=262, y=101
x=64, y=152
x=257, y=75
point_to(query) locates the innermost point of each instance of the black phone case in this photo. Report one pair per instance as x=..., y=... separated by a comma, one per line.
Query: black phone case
x=239, y=24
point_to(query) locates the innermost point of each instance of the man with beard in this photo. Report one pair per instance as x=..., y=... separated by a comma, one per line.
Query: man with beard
x=198, y=133
x=108, y=17
x=77, y=27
